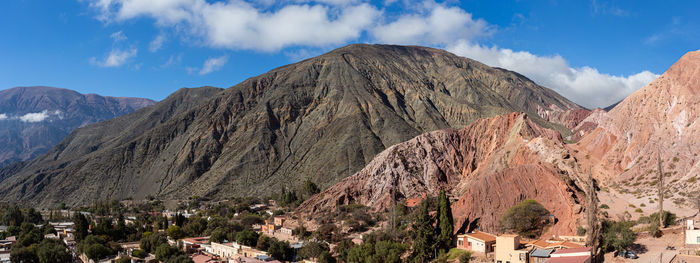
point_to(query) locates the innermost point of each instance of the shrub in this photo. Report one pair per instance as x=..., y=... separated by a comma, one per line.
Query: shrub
x=604, y=206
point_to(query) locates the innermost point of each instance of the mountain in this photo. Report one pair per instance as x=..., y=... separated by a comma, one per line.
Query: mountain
x=659, y=120
x=322, y=119
x=488, y=166
x=34, y=119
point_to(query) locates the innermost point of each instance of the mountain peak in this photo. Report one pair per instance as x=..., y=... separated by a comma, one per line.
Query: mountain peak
x=686, y=71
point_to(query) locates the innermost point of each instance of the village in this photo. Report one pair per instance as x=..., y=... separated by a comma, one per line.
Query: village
x=278, y=238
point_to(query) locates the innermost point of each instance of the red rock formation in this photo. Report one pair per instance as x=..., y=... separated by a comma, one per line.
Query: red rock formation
x=489, y=166
x=661, y=118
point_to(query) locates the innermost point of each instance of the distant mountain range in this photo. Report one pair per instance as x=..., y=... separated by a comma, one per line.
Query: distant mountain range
x=34, y=119
x=322, y=119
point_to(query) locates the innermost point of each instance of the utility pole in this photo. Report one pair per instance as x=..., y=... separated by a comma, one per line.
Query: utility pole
x=661, y=191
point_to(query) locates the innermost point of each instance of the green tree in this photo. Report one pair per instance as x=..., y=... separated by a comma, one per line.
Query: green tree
x=124, y=260
x=528, y=219
x=175, y=232
x=247, y=237
x=150, y=242
x=423, y=235
x=264, y=243
x=310, y=188
x=81, y=226
x=95, y=247
x=312, y=250
x=326, y=257
x=617, y=236
x=218, y=235
x=34, y=216
x=13, y=217
x=24, y=254
x=445, y=222
x=281, y=250
x=53, y=251
x=164, y=252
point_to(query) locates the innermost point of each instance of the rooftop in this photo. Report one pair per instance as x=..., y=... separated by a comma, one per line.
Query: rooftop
x=486, y=237
x=572, y=250
x=577, y=259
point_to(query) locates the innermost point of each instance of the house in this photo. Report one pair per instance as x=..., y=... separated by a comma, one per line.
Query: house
x=510, y=250
x=478, y=242
x=540, y=255
x=553, y=244
x=234, y=250
x=680, y=258
x=193, y=244
x=692, y=234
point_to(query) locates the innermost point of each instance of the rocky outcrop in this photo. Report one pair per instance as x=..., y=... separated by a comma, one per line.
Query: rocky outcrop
x=323, y=119
x=659, y=119
x=34, y=119
x=487, y=167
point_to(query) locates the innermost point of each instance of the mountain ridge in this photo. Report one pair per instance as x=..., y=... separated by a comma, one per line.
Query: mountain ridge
x=34, y=119
x=288, y=124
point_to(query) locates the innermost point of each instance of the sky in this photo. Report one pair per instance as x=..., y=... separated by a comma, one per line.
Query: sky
x=594, y=52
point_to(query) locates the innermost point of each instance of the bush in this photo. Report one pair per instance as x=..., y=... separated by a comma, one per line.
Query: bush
x=527, y=218
x=580, y=231
x=466, y=257
x=604, y=206
x=139, y=253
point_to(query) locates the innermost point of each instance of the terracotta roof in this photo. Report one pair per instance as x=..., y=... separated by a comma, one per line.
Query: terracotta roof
x=202, y=258
x=486, y=237
x=572, y=250
x=577, y=259
x=541, y=243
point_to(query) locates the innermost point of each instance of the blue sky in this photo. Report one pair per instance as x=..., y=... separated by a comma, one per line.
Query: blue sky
x=593, y=52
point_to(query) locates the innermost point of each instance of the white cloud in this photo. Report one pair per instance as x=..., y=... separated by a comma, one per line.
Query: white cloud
x=584, y=85
x=240, y=25
x=115, y=58
x=118, y=36
x=213, y=64
x=307, y=25
x=440, y=25
x=157, y=43
x=34, y=117
x=3, y=116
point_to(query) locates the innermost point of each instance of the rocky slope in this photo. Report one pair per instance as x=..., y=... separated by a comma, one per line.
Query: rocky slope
x=323, y=118
x=488, y=166
x=659, y=119
x=34, y=119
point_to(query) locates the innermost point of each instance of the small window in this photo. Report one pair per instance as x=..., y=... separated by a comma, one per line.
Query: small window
x=499, y=261
x=698, y=239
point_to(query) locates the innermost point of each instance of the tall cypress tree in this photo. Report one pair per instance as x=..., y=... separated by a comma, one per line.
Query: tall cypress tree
x=423, y=235
x=81, y=226
x=445, y=223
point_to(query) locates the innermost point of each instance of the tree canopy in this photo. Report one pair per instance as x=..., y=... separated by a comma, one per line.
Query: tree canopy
x=528, y=219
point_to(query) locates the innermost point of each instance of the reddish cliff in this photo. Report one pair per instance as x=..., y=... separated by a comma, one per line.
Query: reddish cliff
x=488, y=166
x=659, y=119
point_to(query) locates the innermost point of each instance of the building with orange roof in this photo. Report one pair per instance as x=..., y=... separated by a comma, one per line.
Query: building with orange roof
x=478, y=241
